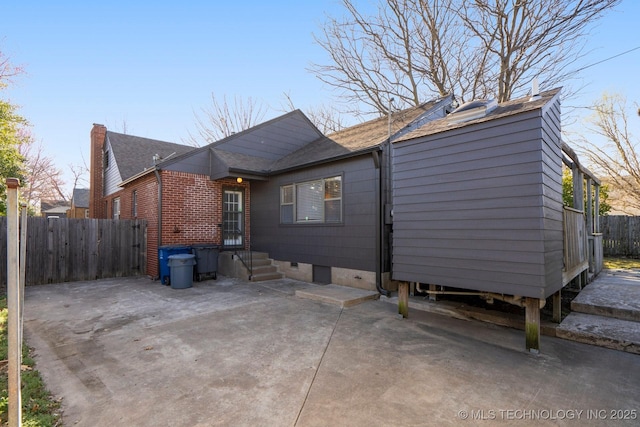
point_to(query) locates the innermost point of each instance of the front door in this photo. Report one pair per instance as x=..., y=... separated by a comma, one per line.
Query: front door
x=233, y=218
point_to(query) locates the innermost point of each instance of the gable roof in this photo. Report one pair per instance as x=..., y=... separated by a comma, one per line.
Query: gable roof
x=286, y=142
x=508, y=108
x=80, y=198
x=365, y=136
x=48, y=204
x=134, y=154
x=272, y=139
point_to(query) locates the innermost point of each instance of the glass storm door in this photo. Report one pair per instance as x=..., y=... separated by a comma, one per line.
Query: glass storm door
x=232, y=218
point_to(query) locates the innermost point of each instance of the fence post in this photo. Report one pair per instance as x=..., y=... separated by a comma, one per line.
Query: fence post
x=13, y=305
x=629, y=235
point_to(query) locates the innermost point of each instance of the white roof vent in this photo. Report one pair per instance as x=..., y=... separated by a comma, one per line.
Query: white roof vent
x=535, y=90
x=472, y=110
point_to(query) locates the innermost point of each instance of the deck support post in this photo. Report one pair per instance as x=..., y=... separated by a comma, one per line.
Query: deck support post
x=532, y=324
x=557, y=306
x=403, y=299
x=433, y=296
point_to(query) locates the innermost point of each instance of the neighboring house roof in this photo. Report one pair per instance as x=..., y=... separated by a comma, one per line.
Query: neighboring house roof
x=80, y=198
x=134, y=154
x=52, y=204
x=61, y=209
x=505, y=109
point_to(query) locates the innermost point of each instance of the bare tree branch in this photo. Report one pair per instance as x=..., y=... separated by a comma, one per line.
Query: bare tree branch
x=220, y=119
x=617, y=161
x=413, y=50
x=44, y=180
x=326, y=118
x=8, y=70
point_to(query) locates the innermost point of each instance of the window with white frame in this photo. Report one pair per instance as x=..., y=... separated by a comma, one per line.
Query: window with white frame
x=318, y=201
x=116, y=208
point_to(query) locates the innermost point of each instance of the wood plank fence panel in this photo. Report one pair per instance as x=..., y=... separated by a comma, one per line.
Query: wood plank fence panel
x=64, y=249
x=620, y=236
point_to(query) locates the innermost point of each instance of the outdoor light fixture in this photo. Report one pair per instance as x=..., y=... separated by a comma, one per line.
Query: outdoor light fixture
x=239, y=180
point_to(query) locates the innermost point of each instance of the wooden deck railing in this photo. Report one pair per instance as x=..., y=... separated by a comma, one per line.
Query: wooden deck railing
x=576, y=254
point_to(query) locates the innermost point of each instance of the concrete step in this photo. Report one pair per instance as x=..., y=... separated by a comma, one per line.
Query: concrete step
x=266, y=276
x=341, y=296
x=264, y=269
x=602, y=331
x=610, y=298
x=259, y=262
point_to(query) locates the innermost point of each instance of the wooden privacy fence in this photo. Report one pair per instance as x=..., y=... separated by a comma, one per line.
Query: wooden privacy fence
x=65, y=250
x=620, y=235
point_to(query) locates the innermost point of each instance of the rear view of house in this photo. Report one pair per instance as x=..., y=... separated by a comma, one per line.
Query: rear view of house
x=317, y=205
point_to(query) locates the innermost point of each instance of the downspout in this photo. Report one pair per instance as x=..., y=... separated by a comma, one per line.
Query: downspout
x=383, y=197
x=379, y=225
x=156, y=171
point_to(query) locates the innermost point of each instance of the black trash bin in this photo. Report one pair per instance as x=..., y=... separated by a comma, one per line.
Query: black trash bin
x=181, y=270
x=206, y=260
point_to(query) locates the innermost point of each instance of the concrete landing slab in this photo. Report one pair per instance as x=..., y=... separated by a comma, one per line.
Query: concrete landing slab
x=613, y=295
x=341, y=296
x=226, y=352
x=602, y=331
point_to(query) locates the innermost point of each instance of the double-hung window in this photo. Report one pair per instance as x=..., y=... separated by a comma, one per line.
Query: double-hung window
x=318, y=201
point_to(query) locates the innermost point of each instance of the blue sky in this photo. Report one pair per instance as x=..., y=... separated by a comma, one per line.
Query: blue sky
x=152, y=65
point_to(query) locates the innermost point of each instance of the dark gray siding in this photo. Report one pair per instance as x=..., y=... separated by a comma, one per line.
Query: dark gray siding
x=351, y=244
x=273, y=139
x=480, y=207
x=197, y=163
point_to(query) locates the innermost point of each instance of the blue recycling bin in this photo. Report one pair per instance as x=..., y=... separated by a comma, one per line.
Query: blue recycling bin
x=164, y=252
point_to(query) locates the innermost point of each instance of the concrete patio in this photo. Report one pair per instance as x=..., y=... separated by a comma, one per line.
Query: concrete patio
x=133, y=352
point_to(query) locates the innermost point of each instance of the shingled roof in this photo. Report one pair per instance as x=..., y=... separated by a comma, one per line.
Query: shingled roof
x=134, y=154
x=286, y=142
x=508, y=108
x=80, y=198
x=376, y=131
x=360, y=138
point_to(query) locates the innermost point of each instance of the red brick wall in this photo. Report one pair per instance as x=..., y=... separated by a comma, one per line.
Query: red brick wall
x=192, y=209
x=191, y=204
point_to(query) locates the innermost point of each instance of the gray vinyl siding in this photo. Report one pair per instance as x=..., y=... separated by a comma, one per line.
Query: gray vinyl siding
x=350, y=244
x=480, y=207
x=112, y=175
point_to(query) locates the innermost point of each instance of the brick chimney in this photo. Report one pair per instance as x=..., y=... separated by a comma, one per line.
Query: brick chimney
x=96, y=205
